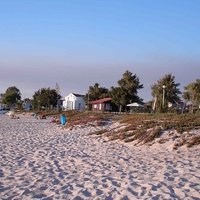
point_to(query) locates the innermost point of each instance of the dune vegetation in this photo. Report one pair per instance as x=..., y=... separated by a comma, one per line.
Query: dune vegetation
x=141, y=128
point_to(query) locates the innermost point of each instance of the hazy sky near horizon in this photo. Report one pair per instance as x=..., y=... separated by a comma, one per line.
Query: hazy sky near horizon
x=77, y=43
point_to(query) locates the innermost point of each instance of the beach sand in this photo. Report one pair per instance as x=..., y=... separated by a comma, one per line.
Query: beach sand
x=41, y=160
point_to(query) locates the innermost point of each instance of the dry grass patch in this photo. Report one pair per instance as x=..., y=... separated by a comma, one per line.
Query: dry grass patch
x=99, y=132
x=195, y=140
x=143, y=128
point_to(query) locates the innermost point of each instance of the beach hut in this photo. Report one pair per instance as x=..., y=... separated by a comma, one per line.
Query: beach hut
x=101, y=104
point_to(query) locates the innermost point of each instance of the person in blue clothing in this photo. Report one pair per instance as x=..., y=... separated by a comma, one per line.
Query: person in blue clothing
x=63, y=119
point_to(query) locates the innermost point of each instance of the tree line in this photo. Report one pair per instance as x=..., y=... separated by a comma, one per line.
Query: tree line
x=164, y=91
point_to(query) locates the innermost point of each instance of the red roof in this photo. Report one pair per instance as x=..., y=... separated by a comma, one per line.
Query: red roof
x=100, y=101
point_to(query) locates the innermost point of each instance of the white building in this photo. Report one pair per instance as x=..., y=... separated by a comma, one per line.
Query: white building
x=74, y=102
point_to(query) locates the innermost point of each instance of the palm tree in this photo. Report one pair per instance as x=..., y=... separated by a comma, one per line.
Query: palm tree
x=127, y=90
x=96, y=92
x=192, y=93
x=165, y=91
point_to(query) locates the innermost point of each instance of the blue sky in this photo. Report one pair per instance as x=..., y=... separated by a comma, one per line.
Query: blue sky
x=77, y=43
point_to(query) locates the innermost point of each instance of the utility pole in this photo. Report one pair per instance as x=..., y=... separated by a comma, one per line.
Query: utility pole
x=163, y=96
x=88, y=101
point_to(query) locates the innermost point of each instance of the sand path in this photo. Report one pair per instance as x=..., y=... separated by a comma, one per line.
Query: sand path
x=40, y=160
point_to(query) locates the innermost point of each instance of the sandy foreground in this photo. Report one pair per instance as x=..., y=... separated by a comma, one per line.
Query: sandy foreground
x=41, y=160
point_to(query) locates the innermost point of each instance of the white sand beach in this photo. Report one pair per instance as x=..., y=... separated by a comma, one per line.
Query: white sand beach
x=41, y=160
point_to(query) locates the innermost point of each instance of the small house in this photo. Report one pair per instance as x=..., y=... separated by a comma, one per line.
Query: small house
x=27, y=105
x=101, y=104
x=74, y=102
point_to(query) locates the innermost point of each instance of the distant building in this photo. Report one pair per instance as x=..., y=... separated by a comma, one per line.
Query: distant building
x=27, y=105
x=101, y=104
x=74, y=102
x=180, y=105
